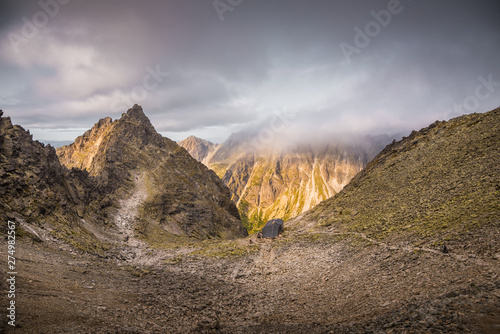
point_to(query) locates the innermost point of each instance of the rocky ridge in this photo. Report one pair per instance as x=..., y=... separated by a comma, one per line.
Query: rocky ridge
x=47, y=199
x=120, y=184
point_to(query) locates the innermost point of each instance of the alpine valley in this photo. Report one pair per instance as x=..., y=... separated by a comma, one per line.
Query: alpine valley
x=125, y=231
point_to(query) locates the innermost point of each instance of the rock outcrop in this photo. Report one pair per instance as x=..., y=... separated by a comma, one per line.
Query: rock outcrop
x=41, y=195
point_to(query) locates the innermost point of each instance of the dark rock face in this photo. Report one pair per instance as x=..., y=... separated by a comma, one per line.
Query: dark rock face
x=35, y=188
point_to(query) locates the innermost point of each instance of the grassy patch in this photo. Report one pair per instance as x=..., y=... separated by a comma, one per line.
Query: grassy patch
x=222, y=249
x=80, y=239
x=156, y=237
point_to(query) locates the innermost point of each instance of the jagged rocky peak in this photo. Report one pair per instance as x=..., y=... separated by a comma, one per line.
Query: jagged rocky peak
x=136, y=113
x=106, y=138
x=135, y=117
x=140, y=183
x=129, y=158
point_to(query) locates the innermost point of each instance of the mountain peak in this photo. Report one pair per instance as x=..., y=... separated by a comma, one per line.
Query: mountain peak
x=136, y=113
x=107, y=140
x=200, y=149
x=134, y=164
x=136, y=110
x=135, y=127
x=194, y=139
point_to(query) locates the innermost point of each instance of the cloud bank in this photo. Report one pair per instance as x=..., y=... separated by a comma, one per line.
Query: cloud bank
x=364, y=67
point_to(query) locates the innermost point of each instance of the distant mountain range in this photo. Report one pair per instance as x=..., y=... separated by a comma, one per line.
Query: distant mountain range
x=282, y=181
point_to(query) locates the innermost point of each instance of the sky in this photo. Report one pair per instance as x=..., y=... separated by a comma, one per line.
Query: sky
x=309, y=68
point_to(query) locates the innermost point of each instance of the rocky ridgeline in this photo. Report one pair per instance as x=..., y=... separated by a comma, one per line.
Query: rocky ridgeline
x=368, y=260
x=47, y=199
x=281, y=182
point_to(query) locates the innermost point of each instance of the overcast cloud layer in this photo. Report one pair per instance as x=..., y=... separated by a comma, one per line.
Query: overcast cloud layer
x=209, y=70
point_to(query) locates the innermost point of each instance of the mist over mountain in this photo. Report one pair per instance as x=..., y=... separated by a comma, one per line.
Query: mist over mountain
x=143, y=146
x=281, y=179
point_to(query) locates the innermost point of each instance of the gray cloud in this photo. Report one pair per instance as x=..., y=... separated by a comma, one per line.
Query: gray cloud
x=264, y=57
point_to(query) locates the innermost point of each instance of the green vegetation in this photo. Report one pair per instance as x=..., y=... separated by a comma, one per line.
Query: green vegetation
x=219, y=169
x=80, y=239
x=243, y=210
x=221, y=249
